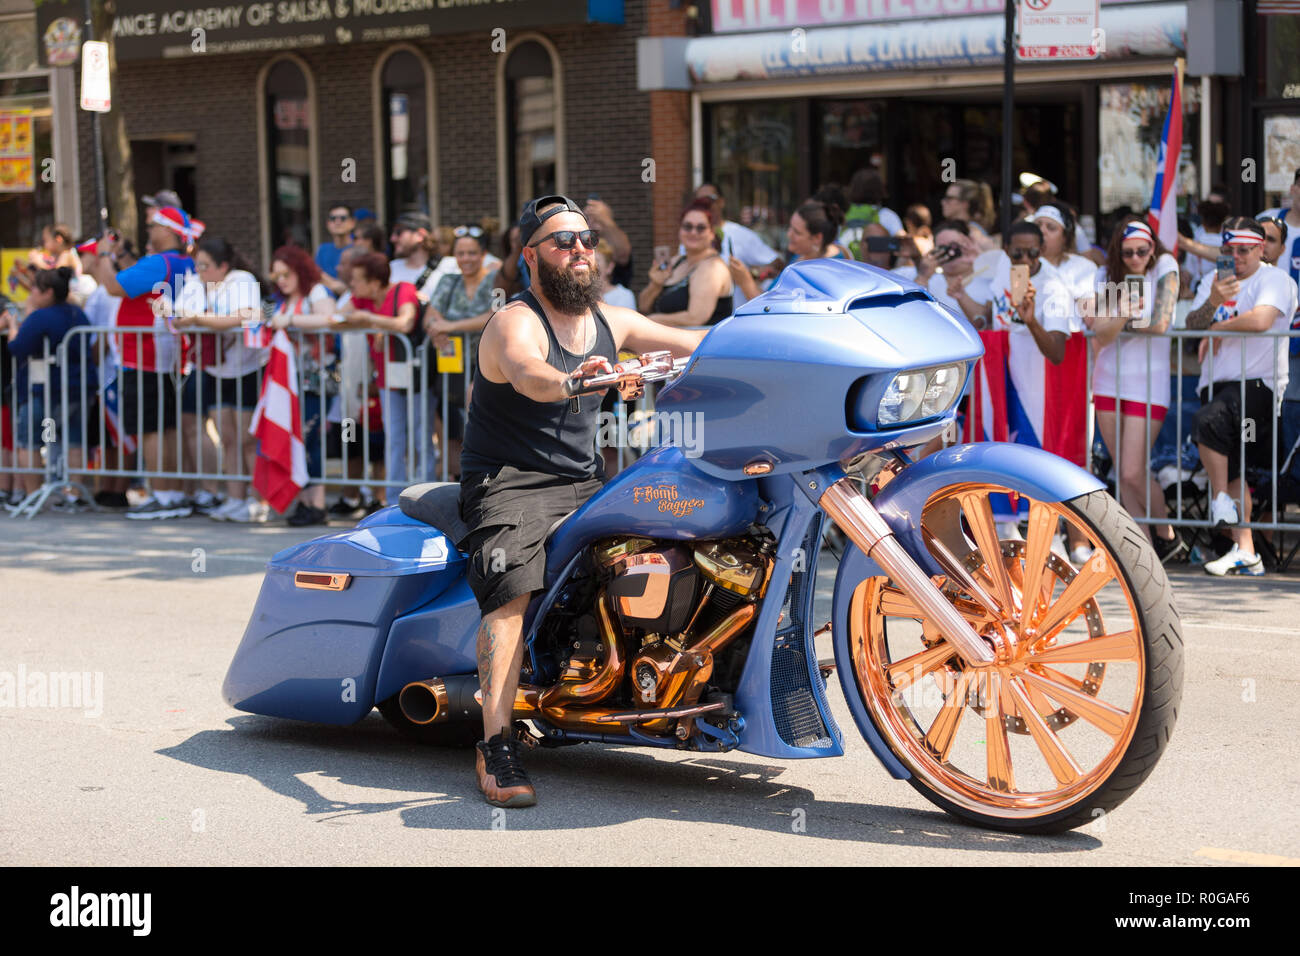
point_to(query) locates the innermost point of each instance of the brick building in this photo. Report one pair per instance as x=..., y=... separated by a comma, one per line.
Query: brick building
x=464, y=122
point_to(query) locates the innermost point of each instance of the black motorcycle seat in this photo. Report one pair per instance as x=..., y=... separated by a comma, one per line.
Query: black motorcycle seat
x=437, y=503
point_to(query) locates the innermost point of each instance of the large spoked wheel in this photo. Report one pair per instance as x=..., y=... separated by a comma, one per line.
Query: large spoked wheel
x=1081, y=700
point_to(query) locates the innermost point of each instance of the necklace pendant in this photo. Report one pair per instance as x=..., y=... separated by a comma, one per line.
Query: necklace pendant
x=574, y=405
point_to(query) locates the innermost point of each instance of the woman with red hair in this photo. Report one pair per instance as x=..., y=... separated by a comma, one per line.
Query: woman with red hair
x=305, y=305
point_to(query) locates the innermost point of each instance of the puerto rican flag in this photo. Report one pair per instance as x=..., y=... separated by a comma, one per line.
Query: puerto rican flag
x=281, y=469
x=1163, y=215
x=1020, y=396
x=113, y=422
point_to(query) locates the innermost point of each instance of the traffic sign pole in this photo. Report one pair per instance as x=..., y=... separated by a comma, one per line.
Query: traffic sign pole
x=1008, y=112
x=101, y=189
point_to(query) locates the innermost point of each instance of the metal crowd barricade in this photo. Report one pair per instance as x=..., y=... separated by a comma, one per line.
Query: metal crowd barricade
x=34, y=437
x=1185, y=513
x=206, y=452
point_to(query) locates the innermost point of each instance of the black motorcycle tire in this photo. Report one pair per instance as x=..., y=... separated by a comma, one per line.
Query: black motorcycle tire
x=1163, y=646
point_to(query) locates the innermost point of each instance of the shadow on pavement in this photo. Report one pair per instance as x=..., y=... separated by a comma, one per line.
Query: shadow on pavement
x=579, y=788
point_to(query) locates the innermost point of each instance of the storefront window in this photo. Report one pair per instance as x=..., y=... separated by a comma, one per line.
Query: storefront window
x=530, y=122
x=26, y=196
x=752, y=160
x=404, y=108
x=1281, y=158
x=1279, y=53
x=851, y=139
x=288, y=120
x=17, y=44
x=1132, y=120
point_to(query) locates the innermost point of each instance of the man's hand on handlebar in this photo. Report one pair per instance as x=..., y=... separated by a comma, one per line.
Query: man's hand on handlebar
x=597, y=374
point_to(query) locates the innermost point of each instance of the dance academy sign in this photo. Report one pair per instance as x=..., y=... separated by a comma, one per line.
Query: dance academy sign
x=165, y=29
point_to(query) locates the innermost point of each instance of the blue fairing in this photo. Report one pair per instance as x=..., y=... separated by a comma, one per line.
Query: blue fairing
x=809, y=360
x=435, y=640
x=1029, y=471
x=661, y=495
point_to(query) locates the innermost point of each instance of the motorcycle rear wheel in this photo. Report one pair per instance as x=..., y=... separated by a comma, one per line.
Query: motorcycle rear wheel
x=1049, y=750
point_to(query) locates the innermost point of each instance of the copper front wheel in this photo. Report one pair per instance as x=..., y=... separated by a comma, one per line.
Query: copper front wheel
x=1080, y=701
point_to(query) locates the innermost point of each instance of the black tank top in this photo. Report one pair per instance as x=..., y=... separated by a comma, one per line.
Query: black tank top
x=677, y=298
x=507, y=428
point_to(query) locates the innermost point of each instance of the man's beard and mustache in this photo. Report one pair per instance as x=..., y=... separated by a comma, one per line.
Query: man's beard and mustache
x=570, y=292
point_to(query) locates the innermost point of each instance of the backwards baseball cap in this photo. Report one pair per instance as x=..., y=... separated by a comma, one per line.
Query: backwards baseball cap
x=173, y=218
x=530, y=221
x=413, y=220
x=164, y=198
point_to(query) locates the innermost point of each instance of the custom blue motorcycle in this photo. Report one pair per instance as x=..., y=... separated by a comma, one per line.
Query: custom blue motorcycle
x=1010, y=687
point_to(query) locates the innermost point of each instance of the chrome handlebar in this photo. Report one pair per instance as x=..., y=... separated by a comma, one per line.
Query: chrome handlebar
x=630, y=377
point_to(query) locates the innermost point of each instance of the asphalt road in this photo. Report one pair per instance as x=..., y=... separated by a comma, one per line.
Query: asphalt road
x=160, y=771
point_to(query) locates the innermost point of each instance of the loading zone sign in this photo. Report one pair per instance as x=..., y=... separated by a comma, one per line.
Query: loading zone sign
x=1058, y=30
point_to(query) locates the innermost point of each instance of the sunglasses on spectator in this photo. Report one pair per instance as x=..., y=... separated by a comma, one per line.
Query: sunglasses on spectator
x=277, y=276
x=566, y=239
x=1016, y=254
x=695, y=227
x=339, y=217
x=1136, y=253
x=711, y=197
x=460, y=232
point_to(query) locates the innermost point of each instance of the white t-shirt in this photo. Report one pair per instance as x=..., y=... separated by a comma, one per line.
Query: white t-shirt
x=1265, y=355
x=1143, y=359
x=101, y=309
x=1196, y=266
x=620, y=296
x=890, y=220
x=977, y=288
x=746, y=245
x=1079, y=275
x=908, y=272
x=400, y=271
x=1053, y=305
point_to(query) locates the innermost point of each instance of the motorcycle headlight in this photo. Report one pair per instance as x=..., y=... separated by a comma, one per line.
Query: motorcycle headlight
x=902, y=399
x=922, y=393
x=943, y=389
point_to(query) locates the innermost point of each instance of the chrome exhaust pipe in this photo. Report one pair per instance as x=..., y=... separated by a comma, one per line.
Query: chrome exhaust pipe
x=440, y=699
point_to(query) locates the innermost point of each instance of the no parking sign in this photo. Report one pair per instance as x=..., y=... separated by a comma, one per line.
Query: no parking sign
x=1058, y=29
x=95, y=93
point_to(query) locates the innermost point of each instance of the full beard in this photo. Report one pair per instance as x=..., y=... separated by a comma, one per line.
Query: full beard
x=570, y=293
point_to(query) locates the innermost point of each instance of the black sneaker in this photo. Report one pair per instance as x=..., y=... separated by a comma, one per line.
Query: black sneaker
x=371, y=505
x=346, y=508
x=1170, y=550
x=306, y=515
x=500, y=773
x=111, y=499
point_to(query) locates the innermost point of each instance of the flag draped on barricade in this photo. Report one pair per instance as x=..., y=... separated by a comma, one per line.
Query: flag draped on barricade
x=113, y=421
x=1019, y=396
x=281, y=469
x=1163, y=215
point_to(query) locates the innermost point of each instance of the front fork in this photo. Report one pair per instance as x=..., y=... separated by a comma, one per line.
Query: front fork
x=857, y=517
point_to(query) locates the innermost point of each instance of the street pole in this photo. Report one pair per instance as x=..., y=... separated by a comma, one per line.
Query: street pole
x=101, y=189
x=1008, y=112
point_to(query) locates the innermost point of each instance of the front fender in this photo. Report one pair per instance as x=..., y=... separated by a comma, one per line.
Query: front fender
x=1020, y=468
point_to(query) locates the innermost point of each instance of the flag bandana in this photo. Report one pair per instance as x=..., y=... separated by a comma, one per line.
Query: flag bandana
x=1242, y=237
x=1137, y=230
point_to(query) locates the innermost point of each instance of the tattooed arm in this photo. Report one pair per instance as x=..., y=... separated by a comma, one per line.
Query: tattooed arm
x=1162, y=310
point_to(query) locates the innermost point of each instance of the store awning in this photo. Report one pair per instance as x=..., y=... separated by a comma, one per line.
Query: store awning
x=166, y=29
x=1141, y=30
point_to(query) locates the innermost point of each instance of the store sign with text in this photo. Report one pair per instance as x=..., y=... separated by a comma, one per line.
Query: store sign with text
x=166, y=29
x=735, y=16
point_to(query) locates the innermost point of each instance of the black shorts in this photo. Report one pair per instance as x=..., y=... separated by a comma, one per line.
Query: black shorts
x=202, y=388
x=147, y=401
x=509, y=513
x=1220, y=423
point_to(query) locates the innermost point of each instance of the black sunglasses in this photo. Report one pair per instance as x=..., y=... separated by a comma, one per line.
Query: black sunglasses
x=565, y=239
x=1023, y=253
x=339, y=217
x=695, y=227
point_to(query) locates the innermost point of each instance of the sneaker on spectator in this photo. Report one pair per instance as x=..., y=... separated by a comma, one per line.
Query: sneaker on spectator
x=371, y=505
x=111, y=499
x=223, y=511
x=1080, y=555
x=305, y=515
x=1236, y=561
x=1223, y=511
x=153, y=509
x=247, y=511
x=70, y=504
x=346, y=508
x=205, y=502
x=1170, y=550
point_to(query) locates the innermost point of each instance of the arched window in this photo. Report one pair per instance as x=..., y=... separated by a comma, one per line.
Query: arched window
x=403, y=109
x=289, y=143
x=534, y=163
